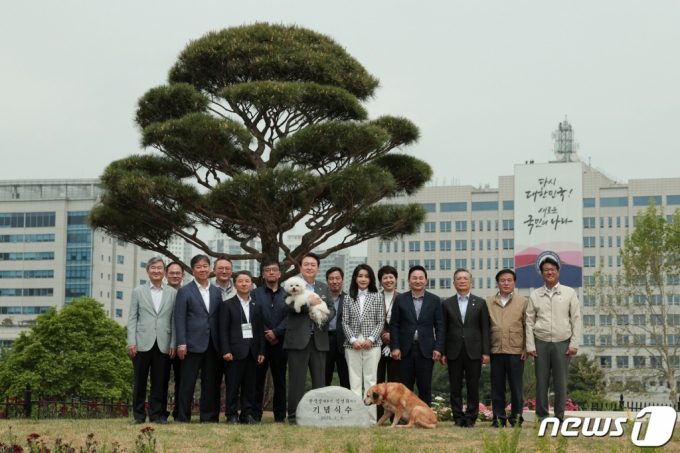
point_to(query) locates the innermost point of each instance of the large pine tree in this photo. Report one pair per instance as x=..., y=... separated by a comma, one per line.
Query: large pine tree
x=261, y=128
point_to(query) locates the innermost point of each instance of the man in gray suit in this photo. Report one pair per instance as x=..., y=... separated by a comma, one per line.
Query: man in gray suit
x=306, y=343
x=151, y=342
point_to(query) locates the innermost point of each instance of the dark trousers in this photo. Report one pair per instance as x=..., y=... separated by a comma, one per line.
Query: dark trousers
x=416, y=369
x=298, y=362
x=276, y=359
x=387, y=368
x=510, y=367
x=210, y=366
x=334, y=358
x=464, y=367
x=551, y=358
x=153, y=361
x=174, y=366
x=242, y=374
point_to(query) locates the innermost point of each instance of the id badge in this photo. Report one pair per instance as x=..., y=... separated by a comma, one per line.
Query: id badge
x=247, y=330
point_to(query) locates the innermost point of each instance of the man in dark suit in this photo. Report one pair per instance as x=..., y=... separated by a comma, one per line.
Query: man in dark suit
x=174, y=275
x=243, y=348
x=197, y=321
x=467, y=347
x=417, y=334
x=151, y=342
x=305, y=341
x=270, y=297
x=336, y=336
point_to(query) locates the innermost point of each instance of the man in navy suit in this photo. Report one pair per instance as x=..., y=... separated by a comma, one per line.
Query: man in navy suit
x=417, y=334
x=198, y=342
x=270, y=297
x=467, y=347
x=243, y=348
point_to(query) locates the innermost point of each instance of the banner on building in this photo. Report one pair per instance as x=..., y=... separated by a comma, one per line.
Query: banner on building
x=548, y=221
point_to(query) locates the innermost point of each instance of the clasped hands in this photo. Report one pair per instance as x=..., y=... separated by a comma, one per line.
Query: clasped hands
x=357, y=345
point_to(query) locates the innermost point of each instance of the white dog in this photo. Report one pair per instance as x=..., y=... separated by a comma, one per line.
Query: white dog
x=299, y=295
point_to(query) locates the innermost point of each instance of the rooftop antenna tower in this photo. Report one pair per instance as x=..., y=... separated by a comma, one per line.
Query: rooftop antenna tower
x=565, y=146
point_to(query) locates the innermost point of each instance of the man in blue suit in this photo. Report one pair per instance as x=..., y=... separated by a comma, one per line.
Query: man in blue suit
x=243, y=348
x=198, y=342
x=417, y=334
x=270, y=296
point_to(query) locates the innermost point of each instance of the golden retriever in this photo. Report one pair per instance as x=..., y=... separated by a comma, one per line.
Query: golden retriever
x=403, y=403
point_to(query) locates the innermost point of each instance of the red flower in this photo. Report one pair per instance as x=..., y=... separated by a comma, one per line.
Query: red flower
x=148, y=429
x=34, y=435
x=90, y=436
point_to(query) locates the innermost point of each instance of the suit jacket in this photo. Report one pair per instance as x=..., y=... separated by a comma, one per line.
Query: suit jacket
x=369, y=323
x=339, y=332
x=430, y=324
x=145, y=326
x=275, y=319
x=475, y=329
x=300, y=325
x=196, y=326
x=231, y=335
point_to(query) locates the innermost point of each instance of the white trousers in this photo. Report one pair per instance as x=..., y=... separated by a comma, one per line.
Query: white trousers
x=363, y=369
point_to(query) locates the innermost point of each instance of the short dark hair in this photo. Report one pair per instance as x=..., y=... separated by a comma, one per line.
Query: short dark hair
x=417, y=268
x=269, y=262
x=354, y=287
x=175, y=263
x=335, y=269
x=391, y=270
x=223, y=257
x=198, y=258
x=506, y=271
x=458, y=271
x=312, y=255
x=244, y=272
x=549, y=260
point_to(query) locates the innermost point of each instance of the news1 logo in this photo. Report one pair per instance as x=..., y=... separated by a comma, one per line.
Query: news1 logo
x=659, y=427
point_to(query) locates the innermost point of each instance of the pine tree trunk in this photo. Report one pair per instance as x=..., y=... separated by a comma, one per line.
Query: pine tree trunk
x=268, y=402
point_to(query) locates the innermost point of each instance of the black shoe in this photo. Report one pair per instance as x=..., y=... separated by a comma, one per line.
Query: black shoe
x=497, y=424
x=292, y=422
x=162, y=421
x=257, y=419
x=470, y=425
x=232, y=421
x=279, y=420
x=459, y=424
x=249, y=420
x=137, y=422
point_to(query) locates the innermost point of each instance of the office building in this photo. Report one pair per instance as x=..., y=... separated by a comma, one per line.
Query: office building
x=564, y=208
x=48, y=254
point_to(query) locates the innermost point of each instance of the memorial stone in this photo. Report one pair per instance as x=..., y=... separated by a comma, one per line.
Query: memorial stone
x=332, y=407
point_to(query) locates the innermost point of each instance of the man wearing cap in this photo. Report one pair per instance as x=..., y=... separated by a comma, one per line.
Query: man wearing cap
x=507, y=315
x=553, y=328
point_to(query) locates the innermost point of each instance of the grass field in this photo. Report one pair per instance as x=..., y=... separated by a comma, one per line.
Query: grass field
x=271, y=437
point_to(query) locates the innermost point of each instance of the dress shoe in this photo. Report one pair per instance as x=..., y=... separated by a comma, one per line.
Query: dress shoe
x=292, y=422
x=258, y=419
x=460, y=424
x=137, y=422
x=249, y=420
x=279, y=420
x=232, y=421
x=162, y=421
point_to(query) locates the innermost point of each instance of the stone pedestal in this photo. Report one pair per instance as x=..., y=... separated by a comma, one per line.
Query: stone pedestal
x=331, y=407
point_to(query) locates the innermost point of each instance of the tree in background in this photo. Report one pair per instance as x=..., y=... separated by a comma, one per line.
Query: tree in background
x=639, y=307
x=586, y=380
x=77, y=350
x=259, y=129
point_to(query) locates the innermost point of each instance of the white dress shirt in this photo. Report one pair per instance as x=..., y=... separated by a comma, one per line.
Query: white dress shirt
x=156, y=296
x=205, y=294
x=505, y=300
x=362, y=300
x=245, y=304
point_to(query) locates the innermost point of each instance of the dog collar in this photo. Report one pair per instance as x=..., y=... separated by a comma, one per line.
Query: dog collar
x=385, y=393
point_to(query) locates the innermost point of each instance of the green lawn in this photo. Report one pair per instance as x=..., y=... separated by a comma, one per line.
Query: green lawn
x=272, y=437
